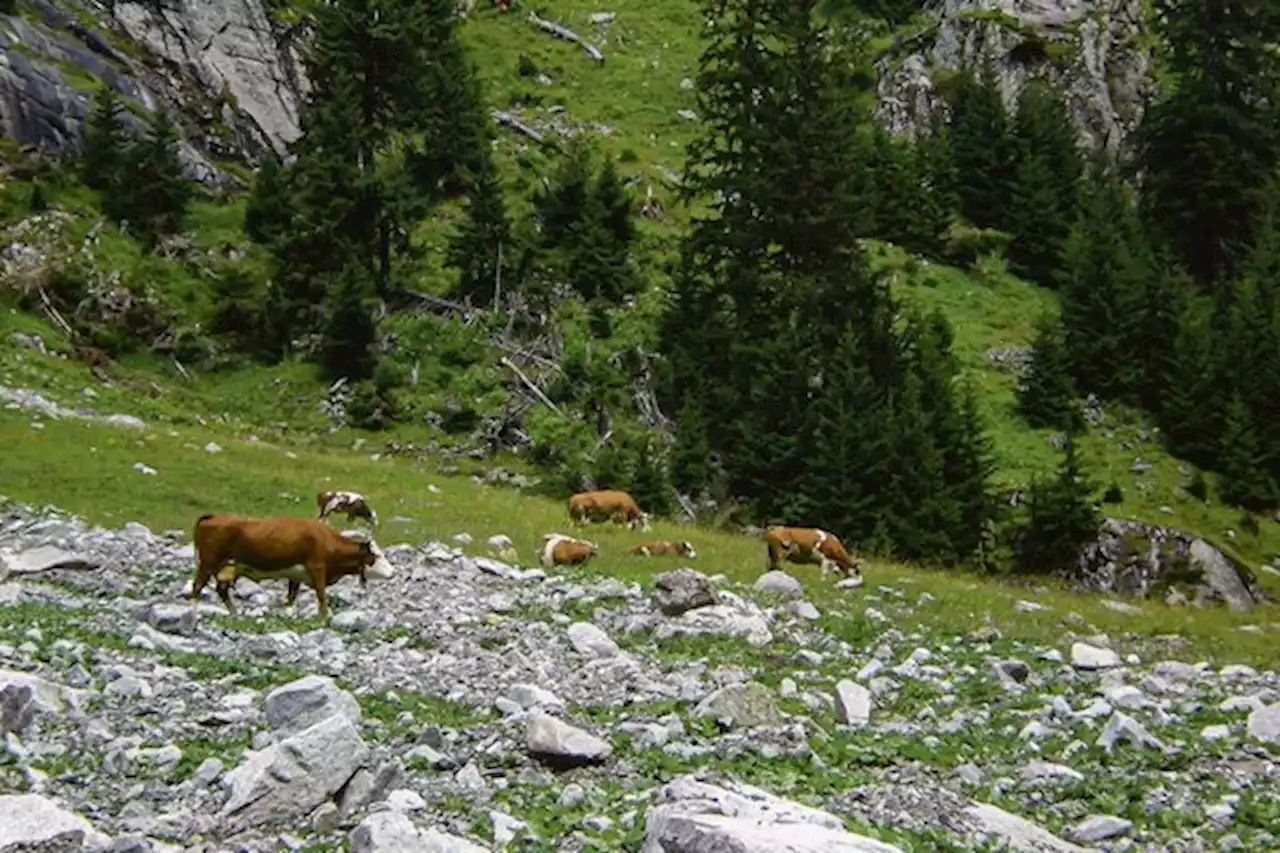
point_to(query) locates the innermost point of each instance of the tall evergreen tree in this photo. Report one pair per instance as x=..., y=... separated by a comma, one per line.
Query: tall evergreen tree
x=346, y=342
x=1210, y=145
x=106, y=143
x=1062, y=517
x=1245, y=482
x=157, y=195
x=1105, y=269
x=1047, y=399
x=1046, y=178
x=1188, y=416
x=482, y=245
x=982, y=148
x=267, y=212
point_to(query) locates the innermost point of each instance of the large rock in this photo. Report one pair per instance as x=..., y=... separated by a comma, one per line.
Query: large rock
x=46, y=696
x=393, y=832
x=747, y=705
x=692, y=816
x=30, y=823
x=683, y=590
x=301, y=704
x=1264, y=724
x=734, y=616
x=557, y=743
x=1087, y=49
x=1142, y=560
x=284, y=782
x=44, y=558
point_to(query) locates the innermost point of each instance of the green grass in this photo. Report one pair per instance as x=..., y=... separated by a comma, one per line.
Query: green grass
x=87, y=469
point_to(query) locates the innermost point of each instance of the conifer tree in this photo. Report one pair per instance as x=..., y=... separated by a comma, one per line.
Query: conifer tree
x=1047, y=399
x=482, y=245
x=1105, y=269
x=106, y=144
x=1166, y=295
x=981, y=147
x=157, y=193
x=267, y=212
x=1187, y=415
x=1062, y=517
x=346, y=342
x=1047, y=172
x=1245, y=480
x=1210, y=145
x=690, y=462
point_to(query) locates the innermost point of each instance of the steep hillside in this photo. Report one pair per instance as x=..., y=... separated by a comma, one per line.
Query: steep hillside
x=637, y=101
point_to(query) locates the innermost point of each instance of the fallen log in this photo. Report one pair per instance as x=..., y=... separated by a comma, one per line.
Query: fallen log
x=505, y=119
x=561, y=31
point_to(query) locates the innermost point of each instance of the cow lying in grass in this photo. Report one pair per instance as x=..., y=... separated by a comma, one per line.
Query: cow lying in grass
x=665, y=548
x=808, y=545
x=299, y=550
x=560, y=550
x=353, y=504
x=606, y=505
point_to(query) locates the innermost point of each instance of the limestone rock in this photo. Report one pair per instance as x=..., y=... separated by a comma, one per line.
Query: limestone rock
x=283, y=782
x=692, y=816
x=30, y=823
x=750, y=704
x=303, y=703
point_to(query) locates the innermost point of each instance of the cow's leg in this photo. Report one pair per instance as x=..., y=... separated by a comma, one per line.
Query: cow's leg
x=317, y=572
x=204, y=571
x=226, y=580
x=292, y=595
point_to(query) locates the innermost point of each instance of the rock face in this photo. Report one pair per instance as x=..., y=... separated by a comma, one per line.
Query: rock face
x=220, y=69
x=1087, y=49
x=29, y=822
x=1133, y=558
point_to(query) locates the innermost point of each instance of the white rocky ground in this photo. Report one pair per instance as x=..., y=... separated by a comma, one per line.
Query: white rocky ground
x=470, y=705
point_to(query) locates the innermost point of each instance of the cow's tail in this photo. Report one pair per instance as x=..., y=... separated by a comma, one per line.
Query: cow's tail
x=202, y=519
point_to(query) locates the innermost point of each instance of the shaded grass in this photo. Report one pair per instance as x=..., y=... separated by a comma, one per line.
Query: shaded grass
x=87, y=469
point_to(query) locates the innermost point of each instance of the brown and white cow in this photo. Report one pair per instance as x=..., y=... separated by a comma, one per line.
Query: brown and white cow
x=352, y=504
x=560, y=550
x=665, y=548
x=808, y=545
x=605, y=505
x=299, y=550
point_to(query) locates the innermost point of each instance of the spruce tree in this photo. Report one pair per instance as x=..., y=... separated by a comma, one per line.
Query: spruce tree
x=1047, y=398
x=482, y=246
x=1047, y=172
x=106, y=145
x=1209, y=146
x=1245, y=480
x=1166, y=295
x=1189, y=423
x=982, y=148
x=346, y=341
x=268, y=211
x=157, y=195
x=1105, y=269
x=1061, y=518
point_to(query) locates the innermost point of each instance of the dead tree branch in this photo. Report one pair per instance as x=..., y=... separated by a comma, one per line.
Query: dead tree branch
x=528, y=383
x=561, y=31
x=507, y=120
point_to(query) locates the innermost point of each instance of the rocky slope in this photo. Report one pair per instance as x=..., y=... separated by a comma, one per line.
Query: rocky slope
x=469, y=704
x=225, y=72
x=1091, y=50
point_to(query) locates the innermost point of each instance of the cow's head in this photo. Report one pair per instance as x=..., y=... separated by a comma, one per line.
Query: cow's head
x=686, y=548
x=373, y=563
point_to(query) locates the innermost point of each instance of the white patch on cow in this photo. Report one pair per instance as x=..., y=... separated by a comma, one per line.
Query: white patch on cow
x=644, y=550
x=689, y=552
x=549, y=543
x=341, y=500
x=381, y=570
x=356, y=535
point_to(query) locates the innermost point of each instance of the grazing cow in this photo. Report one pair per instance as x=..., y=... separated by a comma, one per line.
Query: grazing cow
x=299, y=550
x=605, y=505
x=352, y=504
x=809, y=545
x=665, y=548
x=560, y=550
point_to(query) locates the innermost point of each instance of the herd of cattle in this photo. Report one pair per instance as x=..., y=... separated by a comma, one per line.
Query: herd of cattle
x=309, y=551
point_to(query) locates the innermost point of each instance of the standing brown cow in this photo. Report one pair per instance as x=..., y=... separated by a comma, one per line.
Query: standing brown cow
x=808, y=545
x=605, y=505
x=299, y=550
